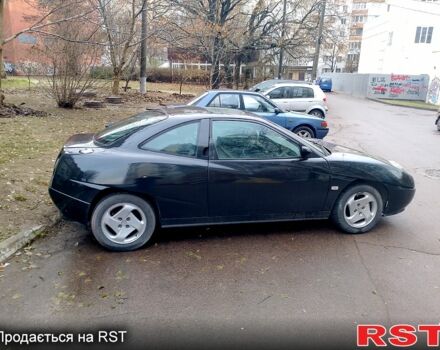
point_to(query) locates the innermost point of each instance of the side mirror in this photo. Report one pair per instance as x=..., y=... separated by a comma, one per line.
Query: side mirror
x=277, y=111
x=306, y=152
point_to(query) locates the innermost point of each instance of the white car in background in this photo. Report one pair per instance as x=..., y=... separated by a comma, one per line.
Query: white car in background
x=299, y=97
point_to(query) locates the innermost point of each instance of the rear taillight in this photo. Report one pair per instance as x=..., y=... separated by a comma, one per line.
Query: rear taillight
x=324, y=124
x=325, y=98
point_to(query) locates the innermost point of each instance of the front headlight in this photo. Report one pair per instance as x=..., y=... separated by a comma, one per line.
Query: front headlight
x=396, y=165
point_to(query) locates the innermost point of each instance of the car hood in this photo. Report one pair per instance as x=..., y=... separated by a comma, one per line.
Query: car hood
x=350, y=162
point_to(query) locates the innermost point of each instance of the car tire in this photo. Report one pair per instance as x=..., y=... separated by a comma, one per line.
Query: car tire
x=317, y=113
x=123, y=222
x=353, y=207
x=304, y=131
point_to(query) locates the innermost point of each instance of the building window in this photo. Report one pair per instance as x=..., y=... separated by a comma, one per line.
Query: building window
x=345, y=8
x=352, y=57
x=424, y=35
x=390, y=38
x=359, y=6
x=359, y=19
x=343, y=20
x=355, y=45
x=27, y=39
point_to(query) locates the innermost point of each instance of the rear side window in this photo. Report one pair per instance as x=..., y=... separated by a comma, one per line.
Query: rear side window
x=179, y=141
x=301, y=92
x=226, y=101
x=127, y=127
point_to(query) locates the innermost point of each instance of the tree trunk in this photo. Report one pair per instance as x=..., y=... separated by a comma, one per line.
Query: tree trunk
x=237, y=72
x=215, y=64
x=228, y=74
x=2, y=73
x=116, y=80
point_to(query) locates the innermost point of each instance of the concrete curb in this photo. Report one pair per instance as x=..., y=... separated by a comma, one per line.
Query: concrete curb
x=396, y=105
x=9, y=246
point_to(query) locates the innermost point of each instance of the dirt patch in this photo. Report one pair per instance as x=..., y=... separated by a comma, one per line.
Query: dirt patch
x=11, y=110
x=29, y=147
x=157, y=98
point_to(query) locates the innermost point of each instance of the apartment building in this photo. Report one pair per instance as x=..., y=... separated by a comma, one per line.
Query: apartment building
x=404, y=39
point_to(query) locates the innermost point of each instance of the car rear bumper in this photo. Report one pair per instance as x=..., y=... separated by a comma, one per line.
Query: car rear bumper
x=71, y=207
x=398, y=199
x=321, y=133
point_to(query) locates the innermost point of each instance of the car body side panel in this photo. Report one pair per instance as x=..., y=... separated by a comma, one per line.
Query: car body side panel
x=177, y=184
x=258, y=190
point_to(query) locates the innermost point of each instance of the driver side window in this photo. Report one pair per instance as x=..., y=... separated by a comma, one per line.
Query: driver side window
x=249, y=140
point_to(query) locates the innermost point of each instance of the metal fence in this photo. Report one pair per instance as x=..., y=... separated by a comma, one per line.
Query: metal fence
x=388, y=86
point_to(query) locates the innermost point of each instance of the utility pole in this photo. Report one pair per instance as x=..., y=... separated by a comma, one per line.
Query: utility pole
x=143, y=70
x=318, y=40
x=283, y=33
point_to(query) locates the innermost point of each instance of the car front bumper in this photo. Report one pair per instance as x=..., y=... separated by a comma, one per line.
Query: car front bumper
x=398, y=199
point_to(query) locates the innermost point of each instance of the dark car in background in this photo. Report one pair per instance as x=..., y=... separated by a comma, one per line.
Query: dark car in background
x=188, y=166
x=325, y=83
x=304, y=125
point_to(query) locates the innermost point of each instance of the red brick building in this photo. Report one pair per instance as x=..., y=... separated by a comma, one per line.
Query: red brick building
x=18, y=15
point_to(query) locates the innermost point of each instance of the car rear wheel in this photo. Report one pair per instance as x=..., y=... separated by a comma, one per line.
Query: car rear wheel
x=317, y=113
x=123, y=222
x=358, y=209
x=304, y=131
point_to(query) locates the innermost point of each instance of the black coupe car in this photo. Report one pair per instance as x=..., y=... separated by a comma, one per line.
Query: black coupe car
x=197, y=166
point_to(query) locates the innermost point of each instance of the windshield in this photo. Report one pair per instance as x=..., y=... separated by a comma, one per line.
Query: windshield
x=128, y=126
x=263, y=86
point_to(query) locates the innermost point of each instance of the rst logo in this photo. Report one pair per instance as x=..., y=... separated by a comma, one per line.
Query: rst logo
x=399, y=335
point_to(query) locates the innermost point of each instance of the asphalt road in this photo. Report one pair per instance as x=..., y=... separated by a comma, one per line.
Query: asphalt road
x=261, y=285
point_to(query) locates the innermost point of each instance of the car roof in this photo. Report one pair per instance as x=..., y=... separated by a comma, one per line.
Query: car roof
x=293, y=84
x=229, y=91
x=204, y=112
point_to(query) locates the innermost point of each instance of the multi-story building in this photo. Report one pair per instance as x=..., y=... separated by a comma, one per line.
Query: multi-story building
x=404, y=39
x=334, y=45
x=362, y=12
x=345, y=21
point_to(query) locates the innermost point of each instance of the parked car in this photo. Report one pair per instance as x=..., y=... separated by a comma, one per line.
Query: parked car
x=325, y=83
x=300, y=97
x=264, y=85
x=437, y=122
x=191, y=166
x=305, y=125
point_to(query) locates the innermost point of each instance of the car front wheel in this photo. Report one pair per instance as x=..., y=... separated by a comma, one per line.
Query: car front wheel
x=123, y=222
x=358, y=209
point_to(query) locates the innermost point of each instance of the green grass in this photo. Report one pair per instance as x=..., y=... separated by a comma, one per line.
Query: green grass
x=17, y=83
x=408, y=103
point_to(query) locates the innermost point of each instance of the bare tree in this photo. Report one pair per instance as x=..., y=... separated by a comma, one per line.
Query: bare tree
x=121, y=22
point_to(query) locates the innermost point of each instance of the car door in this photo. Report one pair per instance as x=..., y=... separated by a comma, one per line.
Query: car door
x=256, y=173
x=280, y=96
x=302, y=98
x=176, y=172
x=263, y=108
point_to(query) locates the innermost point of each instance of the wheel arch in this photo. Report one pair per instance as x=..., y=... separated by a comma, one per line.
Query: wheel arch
x=110, y=191
x=311, y=127
x=375, y=184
